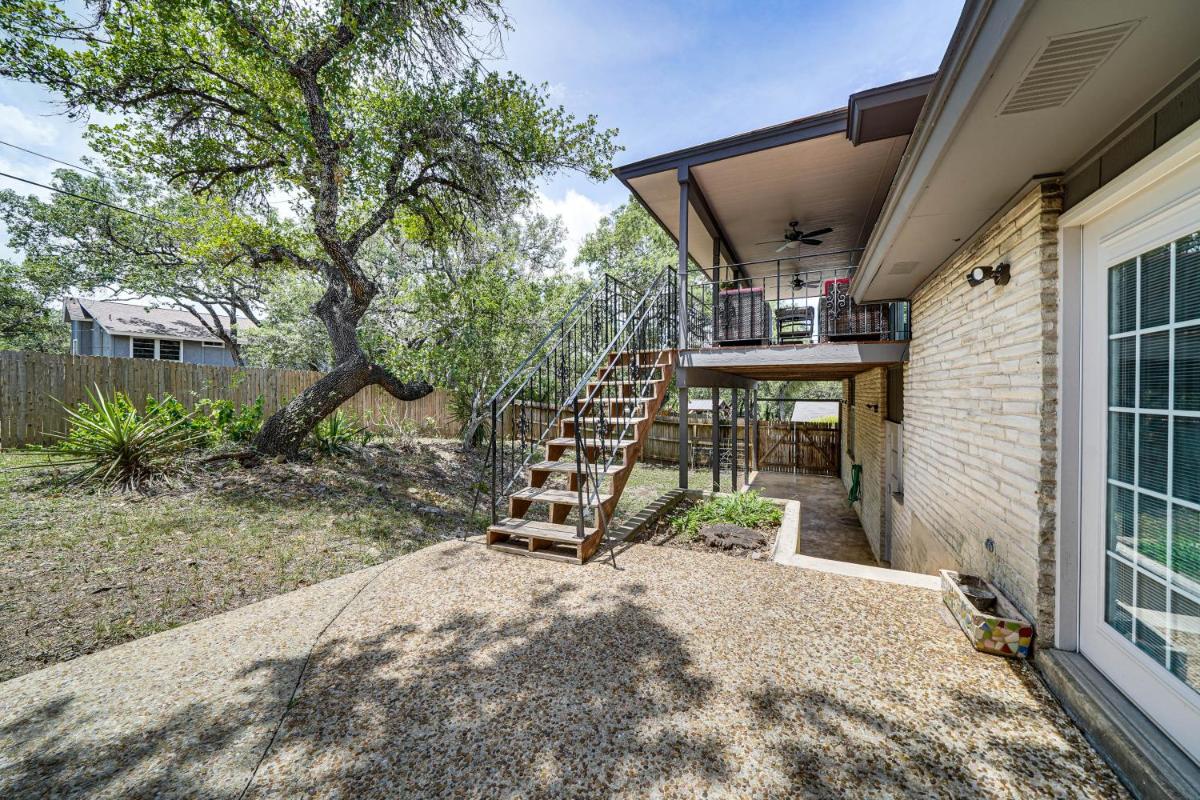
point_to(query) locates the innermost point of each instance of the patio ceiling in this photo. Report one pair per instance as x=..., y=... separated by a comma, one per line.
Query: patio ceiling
x=747, y=188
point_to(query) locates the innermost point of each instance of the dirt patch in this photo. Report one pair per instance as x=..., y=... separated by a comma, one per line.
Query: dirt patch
x=663, y=533
x=82, y=572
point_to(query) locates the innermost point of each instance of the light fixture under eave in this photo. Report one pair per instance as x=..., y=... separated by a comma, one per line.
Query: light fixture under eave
x=998, y=274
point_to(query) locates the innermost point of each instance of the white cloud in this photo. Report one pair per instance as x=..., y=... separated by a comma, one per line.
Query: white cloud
x=580, y=215
x=20, y=128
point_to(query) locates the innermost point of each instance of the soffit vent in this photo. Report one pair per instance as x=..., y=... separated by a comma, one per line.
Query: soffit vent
x=1064, y=64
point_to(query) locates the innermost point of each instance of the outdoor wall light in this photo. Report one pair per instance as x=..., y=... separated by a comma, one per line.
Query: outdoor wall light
x=998, y=274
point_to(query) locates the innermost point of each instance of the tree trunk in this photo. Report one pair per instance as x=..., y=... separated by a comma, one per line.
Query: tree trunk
x=340, y=310
x=476, y=419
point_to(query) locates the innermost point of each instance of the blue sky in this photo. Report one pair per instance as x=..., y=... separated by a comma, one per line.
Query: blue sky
x=667, y=74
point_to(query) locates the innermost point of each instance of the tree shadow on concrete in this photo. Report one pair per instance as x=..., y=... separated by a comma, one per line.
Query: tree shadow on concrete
x=543, y=703
x=68, y=748
x=895, y=745
x=548, y=702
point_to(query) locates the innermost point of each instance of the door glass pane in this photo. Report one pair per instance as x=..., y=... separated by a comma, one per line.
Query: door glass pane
x=1186, y=485
x=1150, y=617
x=1185, y=555
x=1120, y=520
x=1154, y=369
x=1185, y=639
x=1122, y=297
x=1152, y=564
x=1122, y=371
x=1152, y=452
x=1118, y=610
x=1152, y=534
x=1187, y=369
x=1187, y=278
x=1120, y=446
x=1156, y=287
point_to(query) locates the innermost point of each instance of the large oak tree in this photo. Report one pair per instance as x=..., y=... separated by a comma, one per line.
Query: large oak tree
x=368, y=113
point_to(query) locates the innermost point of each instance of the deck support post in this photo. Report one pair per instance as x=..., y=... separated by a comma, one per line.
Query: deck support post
x=682, y=310
x=716, y=439
x=733, y=439
x=747, y=415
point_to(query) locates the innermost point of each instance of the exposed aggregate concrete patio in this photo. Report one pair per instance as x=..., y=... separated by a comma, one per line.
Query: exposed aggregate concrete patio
x=460, y=672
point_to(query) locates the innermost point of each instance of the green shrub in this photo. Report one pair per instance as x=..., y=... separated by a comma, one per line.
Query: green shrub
x=748, y=509
x=338, y=433
x=231, y=424
x=217, y=421
x=118, y=448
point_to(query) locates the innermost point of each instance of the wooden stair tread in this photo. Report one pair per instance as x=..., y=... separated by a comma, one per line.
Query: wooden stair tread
x=539, y=529
x=540, y=494
x=570, y=466
x=612, y=420
x=569, y=441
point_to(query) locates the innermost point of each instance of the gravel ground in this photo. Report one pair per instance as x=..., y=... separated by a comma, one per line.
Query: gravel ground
x=459, y=672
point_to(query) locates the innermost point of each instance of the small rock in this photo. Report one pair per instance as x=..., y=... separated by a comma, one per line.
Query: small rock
x=432, y=510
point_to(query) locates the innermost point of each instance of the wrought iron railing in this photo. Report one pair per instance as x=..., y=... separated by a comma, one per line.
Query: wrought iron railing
x=612, y=399
x=526, y=409
x=781, y=302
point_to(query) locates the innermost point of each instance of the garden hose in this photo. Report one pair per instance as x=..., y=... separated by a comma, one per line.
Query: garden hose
x=855, y=481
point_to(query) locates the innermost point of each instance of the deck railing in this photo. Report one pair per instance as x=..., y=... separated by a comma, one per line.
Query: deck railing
x=781, y=302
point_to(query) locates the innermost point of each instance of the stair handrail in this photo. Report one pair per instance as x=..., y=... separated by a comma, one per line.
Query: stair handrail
x=588, y=470
x=605, y=304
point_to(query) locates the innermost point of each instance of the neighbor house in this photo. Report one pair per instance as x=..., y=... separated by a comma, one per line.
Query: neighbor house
x=1001, y=262
x=129, y=330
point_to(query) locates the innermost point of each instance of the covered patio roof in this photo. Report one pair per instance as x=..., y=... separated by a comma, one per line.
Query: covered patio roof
x=831, y=170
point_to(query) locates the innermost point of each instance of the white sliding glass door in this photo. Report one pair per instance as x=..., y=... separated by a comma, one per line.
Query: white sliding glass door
x=1140, y=555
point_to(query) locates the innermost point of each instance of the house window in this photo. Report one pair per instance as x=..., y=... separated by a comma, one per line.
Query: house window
x=895, y=394
x=145, y=348
x=218, y=345
x=168, y=349
x=157, y=349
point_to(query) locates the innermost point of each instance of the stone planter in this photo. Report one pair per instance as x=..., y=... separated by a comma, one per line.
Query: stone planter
x=1003, y=633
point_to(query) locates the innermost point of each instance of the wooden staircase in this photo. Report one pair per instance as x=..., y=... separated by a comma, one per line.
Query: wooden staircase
x=629, y=397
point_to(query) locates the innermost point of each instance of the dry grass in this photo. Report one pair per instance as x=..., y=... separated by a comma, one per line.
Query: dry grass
x=82, y=572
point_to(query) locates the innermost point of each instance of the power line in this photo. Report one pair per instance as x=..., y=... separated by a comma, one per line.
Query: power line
x=49, y=158
x=85, y=198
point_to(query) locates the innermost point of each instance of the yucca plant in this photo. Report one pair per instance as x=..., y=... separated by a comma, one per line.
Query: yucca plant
x=117, y=448
x=338, y=433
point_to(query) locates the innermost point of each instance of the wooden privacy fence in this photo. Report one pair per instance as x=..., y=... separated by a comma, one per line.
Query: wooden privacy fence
x=31, y=382
x=782, y=445
x=776, y=445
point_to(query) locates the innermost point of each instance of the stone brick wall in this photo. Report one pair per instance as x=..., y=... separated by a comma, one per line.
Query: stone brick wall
x=980, y=391
x=869, y=410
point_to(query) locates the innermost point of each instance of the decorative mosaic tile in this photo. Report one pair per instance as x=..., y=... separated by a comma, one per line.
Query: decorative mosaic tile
x=988, y=633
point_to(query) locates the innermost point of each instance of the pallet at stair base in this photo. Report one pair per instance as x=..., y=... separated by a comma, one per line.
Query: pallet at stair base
x=555, y=538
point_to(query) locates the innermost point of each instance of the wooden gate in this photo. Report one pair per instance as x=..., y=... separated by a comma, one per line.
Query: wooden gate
x=804, y=447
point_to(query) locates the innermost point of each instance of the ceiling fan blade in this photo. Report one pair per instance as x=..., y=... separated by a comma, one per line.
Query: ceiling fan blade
x=807, y=240
x=772, y=241
x=784, y=246
x=821, y=232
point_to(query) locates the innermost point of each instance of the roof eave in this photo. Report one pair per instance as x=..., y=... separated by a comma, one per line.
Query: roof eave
x=935, y=128
x=799, y=130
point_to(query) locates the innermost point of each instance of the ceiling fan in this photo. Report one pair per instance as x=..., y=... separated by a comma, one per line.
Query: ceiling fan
x=794, y=237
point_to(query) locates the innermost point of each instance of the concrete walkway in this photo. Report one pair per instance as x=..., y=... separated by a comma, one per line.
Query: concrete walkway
x=458, y=672
x=828, y=526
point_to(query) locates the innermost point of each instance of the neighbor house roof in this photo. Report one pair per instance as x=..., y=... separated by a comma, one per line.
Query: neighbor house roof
x=134, y=319
x=808, y=410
